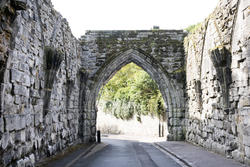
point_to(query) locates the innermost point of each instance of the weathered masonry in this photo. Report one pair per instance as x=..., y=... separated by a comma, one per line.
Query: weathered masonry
x=49, y=80
x=160, y=53
x=39, y=102
x=218, y=81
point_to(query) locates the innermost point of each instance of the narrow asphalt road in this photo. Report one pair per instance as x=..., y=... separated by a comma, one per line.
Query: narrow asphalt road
x=127, y=153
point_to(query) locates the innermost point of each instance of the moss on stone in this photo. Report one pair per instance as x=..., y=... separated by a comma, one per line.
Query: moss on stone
x=219, y=47
x=193, y=28
x=180, y=70
x=82, y=70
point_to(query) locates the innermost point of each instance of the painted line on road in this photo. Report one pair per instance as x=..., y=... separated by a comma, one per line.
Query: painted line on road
x=98, y=147
x=177, y=159
x=81, y=155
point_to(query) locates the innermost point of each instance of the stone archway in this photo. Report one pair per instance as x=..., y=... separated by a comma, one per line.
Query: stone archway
x=171, y=91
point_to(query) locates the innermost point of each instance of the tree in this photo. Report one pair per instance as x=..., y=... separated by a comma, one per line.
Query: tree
x=135, y=92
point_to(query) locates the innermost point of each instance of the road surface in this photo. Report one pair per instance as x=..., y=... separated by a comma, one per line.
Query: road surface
x=126, y=153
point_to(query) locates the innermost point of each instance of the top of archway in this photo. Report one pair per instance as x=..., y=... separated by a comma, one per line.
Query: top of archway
x=165, y=46
x=131, y=31
x=177, y=35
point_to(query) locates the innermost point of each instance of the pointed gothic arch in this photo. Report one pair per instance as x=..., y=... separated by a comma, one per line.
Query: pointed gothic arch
x=171, y=91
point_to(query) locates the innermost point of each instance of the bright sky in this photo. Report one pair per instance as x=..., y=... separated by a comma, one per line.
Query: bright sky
x=85, y=15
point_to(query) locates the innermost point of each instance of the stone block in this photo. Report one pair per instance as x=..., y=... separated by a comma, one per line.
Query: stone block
x=32, y=158
x=93, y=130
x=175, y=121
x=218, y=148
x=22, y=121
x=38, y=118
x=227, y=126
x=247, y=151
x=25, y=80
x=234, y=128
x=27, y=162
x=70, y=116
x=21, y=90
x=20, y=137
x=34, y=93
x=218, y=124
x=15, y=75
x=245, y=111
x=208, y=144
x=32, y=134
x=7, y=157
x=238, y=156
x=24, y=67
x=246, y=120
x=247, y=161
x=5, y=140
x=17, y=99
x=53, y=136
x=216, y=114
x=8, y=99
x=38, y=108
x=180, y=114
x=48, y=119
x=244, y=102
x=8, y=87
x=37, y=84
x=48, y=129
x=29, y=120
x=10, y=121
x=1, y=125
x=246, y=130
x=20, y=163
x=246, y=140
x=204, y=134
x=55, y=117
x=64, y=133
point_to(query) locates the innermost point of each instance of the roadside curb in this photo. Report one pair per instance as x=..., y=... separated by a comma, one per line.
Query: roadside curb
x=185, y=162
x=82, y=154
x=66, y=157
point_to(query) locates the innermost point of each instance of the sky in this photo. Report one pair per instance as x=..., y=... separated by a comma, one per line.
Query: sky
x=85, y=15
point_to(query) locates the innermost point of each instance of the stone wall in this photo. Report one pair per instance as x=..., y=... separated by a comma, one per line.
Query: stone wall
x=8, y=13
x=29, y=129
x=158, y=52
x=218, y=81
x=50, y=80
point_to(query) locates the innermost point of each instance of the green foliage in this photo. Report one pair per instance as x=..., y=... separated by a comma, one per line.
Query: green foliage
x=136, y=93
x=190, y=28
x=193, y=28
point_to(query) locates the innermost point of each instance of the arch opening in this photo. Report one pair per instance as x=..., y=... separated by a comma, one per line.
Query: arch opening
x=170, y=90
x=129, y=102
